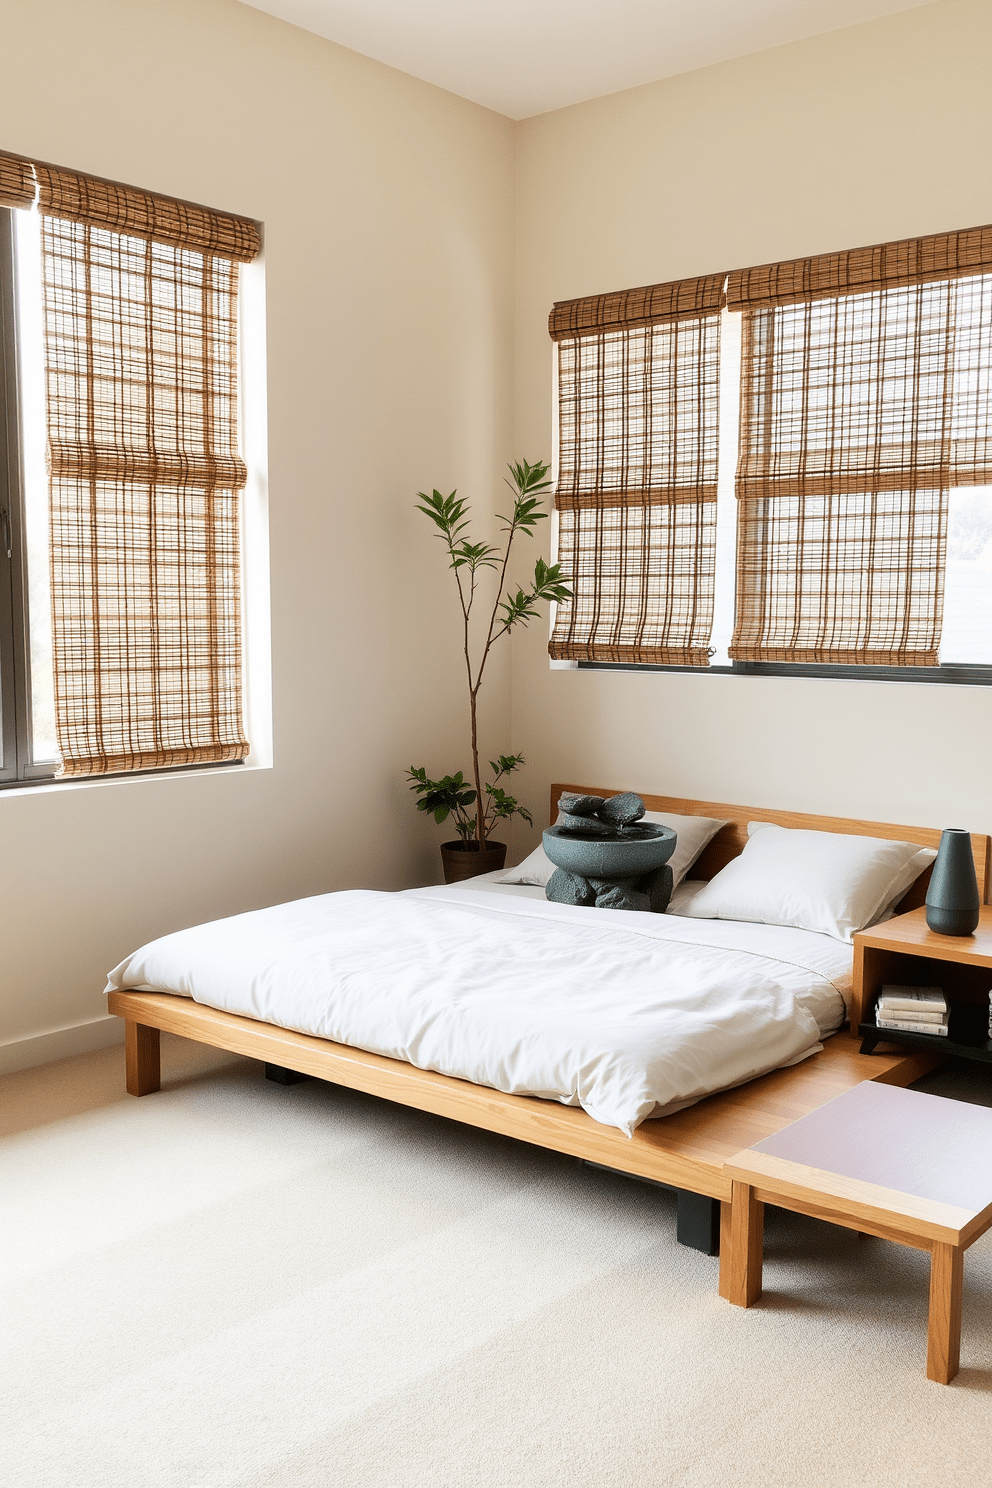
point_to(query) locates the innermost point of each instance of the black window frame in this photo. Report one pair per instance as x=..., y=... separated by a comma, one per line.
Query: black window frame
x=947, y=675
x=16, y=764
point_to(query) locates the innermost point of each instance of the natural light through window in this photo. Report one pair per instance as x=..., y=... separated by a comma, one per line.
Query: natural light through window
x=31, y=371
x=966, y=631
x=966, y=637
x=726, y=498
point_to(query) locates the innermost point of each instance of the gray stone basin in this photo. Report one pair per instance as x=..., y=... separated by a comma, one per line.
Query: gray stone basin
x=638, y=850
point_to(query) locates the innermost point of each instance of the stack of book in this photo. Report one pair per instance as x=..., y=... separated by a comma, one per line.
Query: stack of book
x=915, y=1010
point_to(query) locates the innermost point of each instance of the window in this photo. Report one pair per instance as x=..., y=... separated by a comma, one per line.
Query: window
x=638, y=380
x=857, y=407
x=121, y=580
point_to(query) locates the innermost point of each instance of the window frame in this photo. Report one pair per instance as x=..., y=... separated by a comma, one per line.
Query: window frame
x=18, y=769
x=944, y=674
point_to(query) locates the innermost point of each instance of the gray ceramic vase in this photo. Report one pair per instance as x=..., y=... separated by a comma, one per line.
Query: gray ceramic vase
x=952, y=898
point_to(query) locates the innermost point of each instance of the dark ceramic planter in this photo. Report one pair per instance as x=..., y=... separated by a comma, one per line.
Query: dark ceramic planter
x=952, y=899
x=462, y=860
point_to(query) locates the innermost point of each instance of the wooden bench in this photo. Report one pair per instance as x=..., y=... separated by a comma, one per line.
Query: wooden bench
x=895, y=1163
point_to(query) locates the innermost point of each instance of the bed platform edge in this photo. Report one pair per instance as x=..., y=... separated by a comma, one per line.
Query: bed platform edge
x=685, y=1151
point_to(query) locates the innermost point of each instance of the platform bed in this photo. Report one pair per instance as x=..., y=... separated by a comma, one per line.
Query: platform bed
x=685, y=1151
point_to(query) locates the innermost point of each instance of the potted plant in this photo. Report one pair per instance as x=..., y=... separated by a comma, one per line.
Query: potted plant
x=474, y=852
x=452, y=796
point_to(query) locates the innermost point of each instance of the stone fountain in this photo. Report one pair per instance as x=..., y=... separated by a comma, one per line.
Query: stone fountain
x=606, y=857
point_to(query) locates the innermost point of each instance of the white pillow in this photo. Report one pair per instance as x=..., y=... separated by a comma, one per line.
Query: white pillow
x=823, y=881
x=683, y=895
x=693, y=833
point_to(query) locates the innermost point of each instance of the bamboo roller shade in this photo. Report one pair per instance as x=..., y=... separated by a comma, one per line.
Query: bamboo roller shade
x=78, y=197
x=652, y=304
x=865, y=396
x=638, y=392
x=17, y=187
x=862, y=270
x=140, y=317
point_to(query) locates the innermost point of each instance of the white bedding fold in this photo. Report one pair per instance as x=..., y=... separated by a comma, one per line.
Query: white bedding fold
x=619, y=1013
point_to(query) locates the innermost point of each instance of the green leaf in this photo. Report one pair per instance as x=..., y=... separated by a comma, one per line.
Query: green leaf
x=527, y=477
x=448, y=513
x=519, y=607
x=528, y=482
x=475, y=555
x=505, y=764
x=441, y=797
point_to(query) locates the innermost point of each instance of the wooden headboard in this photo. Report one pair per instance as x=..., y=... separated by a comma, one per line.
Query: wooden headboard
x=730, y=840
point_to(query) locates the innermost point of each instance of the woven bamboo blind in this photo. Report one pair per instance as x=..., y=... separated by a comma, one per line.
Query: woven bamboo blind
x=16, y=181
x=144, y=214
x=862, y=402
x=141, y=362
x=638, y=388
x=862, y=270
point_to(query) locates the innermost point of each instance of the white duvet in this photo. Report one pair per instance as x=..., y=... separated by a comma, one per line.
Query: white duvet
x=628, y=1015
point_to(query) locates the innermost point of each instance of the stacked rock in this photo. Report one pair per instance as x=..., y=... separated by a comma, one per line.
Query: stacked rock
x=606, y=857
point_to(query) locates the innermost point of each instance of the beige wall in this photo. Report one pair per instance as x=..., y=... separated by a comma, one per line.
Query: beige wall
x=388, y=208
x=875, y=132
x=389, y=265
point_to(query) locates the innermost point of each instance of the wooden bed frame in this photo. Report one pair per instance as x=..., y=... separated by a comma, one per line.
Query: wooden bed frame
x=685, y=1151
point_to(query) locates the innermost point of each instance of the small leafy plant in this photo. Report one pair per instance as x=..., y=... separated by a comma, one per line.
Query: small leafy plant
x=453, y=795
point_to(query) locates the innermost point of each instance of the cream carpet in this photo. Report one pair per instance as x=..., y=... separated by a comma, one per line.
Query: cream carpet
x=237, y=1285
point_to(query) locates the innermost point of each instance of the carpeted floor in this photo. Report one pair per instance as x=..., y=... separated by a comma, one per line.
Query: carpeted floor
x=233, y=1284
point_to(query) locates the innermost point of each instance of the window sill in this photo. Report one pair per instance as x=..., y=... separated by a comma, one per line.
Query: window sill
x=47, y=783
x=954, y=676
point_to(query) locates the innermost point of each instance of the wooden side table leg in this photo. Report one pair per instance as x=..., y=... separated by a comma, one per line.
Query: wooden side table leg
x=742, y=1234
x=944, y=1326
x=143, y=1069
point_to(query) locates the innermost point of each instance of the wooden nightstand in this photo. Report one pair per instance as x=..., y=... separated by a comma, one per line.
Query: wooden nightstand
x=905, y=952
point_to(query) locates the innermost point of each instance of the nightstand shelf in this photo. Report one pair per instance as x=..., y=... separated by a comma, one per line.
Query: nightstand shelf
x=905, y=952
x=979, y=1048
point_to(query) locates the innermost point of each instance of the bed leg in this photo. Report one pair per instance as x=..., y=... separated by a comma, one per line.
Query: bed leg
x=142, y=1064
x=284, y=1076
x=697, y=1222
